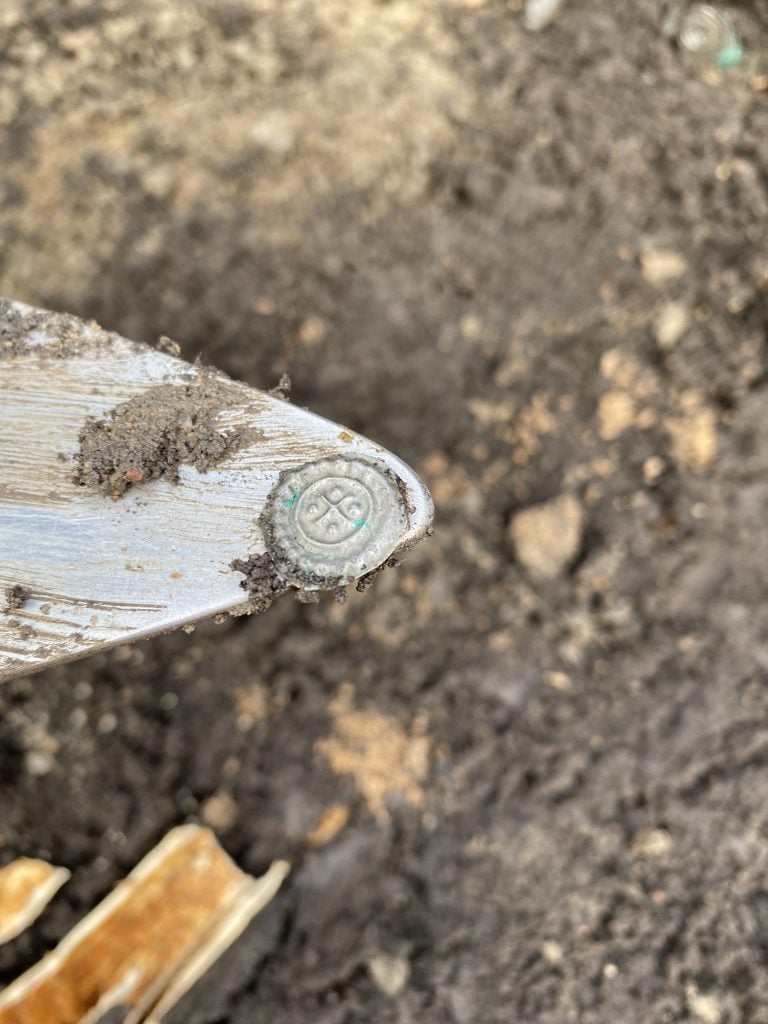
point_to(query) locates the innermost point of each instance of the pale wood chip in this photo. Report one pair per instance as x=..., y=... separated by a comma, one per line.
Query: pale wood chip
x=26, y=888
x=254, y=895
x=149, y=940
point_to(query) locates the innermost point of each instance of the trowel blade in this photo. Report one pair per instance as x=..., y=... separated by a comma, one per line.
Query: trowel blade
x=94, y=554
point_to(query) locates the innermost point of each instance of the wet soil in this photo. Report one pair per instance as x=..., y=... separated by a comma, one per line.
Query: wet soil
x=150, y=436
x=262, y=579
x=15, y=597
x=534, y=266
x=64, y=335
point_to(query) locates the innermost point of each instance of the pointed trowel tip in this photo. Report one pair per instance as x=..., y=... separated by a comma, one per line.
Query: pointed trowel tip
x=420, y=507
x=110, y=532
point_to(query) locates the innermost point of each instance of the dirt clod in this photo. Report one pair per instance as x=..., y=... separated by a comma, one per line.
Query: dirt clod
x=384, y=759
x=661, y=265
x=25, y=331
x=15, y=597
x=547, y=537
x=389, y=973
x=219, y=811
x=150, y=436
x=283, y=388
x=370, y=577
x=264, y=580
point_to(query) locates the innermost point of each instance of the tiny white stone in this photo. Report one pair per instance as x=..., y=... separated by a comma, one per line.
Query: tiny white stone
x=539, y=13
x=552, y=951
x=107, y=723
x=38, y=763
x=389, y=973
x=671, y=323
x=662, y=265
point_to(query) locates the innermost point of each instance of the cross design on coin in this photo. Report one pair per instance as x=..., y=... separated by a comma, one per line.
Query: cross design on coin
x=332, y=510
x=335, y=518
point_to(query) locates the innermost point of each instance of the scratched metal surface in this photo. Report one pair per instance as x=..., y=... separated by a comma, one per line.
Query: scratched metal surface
x=102, y=572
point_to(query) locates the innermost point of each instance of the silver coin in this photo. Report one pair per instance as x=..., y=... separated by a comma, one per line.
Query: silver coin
x=336, y=519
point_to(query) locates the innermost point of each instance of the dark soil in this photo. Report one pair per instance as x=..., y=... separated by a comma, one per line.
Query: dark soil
x=65, y=335
x=15, y=597
x=532, y=266
x=263, y=580
x=150, y=436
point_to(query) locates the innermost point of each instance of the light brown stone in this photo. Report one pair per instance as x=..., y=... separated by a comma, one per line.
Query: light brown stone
x=547, y=537
x=662, y=265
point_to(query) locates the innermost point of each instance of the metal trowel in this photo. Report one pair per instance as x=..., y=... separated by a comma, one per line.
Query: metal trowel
x=139, y=493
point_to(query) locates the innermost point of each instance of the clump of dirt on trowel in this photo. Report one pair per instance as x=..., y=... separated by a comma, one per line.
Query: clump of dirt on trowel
x=264, y=580
x=268, y=577
x=16, y=597
x=151, y=435
x=25, y=331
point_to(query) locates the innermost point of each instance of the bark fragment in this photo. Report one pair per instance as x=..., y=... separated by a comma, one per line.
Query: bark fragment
x=26, y=888
x=149, y=941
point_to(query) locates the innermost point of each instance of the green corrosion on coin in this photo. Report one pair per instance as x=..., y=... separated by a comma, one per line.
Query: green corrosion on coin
x=336, y=519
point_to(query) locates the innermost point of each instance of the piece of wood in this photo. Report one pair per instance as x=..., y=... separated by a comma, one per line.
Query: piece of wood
x=153, y=936
x=26, y=888
x=253, y=897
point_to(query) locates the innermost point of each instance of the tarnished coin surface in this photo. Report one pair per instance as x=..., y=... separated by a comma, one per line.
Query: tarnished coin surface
x=336, y=519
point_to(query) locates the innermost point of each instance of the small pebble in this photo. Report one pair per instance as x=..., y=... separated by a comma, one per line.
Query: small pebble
x=651, y=843
x=539, y=13
x=704, y=1006
x=662, y=265
x=672, y=321
x=547, y=537
x=313, y=331
x=219, y=811
x=78, y=718
x=38, y=763
x=552, y=951
x=329, y=824
x=389, y=973
x=653, y=467
x=616, y=410
x=558, y=680
x=694, y=434
x=275, y=132
x=107, y=723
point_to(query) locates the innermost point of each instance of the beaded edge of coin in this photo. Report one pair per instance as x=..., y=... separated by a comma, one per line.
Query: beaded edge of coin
x=329, y=522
